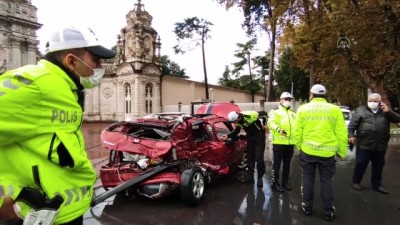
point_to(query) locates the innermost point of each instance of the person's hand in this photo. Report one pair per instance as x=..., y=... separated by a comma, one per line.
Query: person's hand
x=282, y=132
x=352, y=140
x=7, y=209
x=384, y=107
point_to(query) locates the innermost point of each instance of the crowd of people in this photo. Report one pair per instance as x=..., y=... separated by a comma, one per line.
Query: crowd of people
x=320, y=134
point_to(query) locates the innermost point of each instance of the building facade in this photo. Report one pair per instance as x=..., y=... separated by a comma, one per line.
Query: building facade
x=18, y=40
x=134, y=86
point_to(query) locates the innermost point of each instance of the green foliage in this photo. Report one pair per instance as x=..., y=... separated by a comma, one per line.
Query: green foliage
x=170, y=68
x=312, y=29
x=187, y=30
x=257, y=68
x=287, y=73
x=195, y=29
x=373, y=28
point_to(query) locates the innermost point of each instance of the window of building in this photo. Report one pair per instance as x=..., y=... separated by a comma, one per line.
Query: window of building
x=149, y=98
x=24, y=53
x=128, y=99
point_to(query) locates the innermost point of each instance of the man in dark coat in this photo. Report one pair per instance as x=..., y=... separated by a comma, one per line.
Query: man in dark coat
x=369, y=130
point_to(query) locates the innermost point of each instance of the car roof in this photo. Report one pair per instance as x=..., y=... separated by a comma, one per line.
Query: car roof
x=218, y=108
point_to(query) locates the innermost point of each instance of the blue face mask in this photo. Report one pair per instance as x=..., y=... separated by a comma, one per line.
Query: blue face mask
x=94, y=80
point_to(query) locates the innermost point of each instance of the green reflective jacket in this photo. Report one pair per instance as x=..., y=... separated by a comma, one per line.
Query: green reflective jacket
x=320, y=129
x=41, y=143
x=282, y=119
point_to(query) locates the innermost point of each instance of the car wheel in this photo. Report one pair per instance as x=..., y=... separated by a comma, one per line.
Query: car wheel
x=242, y=176
x=192, y=186
x=243, y=162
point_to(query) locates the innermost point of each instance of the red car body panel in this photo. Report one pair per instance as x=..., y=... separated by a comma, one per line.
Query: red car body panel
x=139, y=145
x=218, y=108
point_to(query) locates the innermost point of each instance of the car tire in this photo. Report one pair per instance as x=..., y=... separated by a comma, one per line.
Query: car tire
x=242, y=175
x=192, y=186
x=243, y=163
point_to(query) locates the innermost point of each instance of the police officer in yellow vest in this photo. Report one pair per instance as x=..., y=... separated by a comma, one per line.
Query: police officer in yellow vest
x=41, y=143
x=320, y=133
x=253, y=123
x=281, y=125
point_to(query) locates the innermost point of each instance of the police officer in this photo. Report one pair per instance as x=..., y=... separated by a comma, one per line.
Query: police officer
x=41, y=143
x=281, y=125
x=251, y=122
x=320, y=134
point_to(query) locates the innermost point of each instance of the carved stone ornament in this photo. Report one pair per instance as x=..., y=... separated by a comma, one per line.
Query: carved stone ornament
x=107, y=92
x=124, y=69
x=151, y=70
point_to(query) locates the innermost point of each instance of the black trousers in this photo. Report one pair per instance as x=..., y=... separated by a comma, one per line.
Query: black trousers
x=77, y=221
x=255, y=154
x=363, y=157
x=326, y=168
x=282, y=153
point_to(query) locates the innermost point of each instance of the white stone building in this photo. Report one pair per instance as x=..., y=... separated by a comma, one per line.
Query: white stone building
x=133, y=85
x=18, y=40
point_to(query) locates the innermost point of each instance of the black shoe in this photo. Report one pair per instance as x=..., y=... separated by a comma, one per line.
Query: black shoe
x=328, y=216
x=259, y=182
x=381, y=190
x=277, y=187
x=287, y=187
x=306, y=210
x=357, y=186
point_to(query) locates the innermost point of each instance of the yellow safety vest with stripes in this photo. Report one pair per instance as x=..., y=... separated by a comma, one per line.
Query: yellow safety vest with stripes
x=41, y=130
x=282, y=119
x=320, y=129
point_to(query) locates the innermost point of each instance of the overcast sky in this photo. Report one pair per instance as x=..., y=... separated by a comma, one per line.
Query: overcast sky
x=107, y=17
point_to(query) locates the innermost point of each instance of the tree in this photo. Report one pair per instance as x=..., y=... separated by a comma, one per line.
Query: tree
x=227, y=81
x=266, y=15
x=189, y=28
x=244, y=56
x=372, y=29
x=263, y=63
x=252, y=81
x=291, y=78
x=170, y=68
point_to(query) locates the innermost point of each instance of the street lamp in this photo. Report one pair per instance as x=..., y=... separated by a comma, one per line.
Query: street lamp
x=212, y=94
x=179, y=106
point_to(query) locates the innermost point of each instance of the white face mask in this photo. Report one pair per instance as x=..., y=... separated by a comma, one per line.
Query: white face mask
x=373, y=105
x=286, y=104
x=94, y=80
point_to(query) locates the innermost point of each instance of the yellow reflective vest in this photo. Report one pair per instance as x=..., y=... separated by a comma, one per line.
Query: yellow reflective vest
x=41, y=143
x=282, y=119
x=320, y=129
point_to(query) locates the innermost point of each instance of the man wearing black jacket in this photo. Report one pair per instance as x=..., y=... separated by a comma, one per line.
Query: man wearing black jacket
x=250, y=121
x=369, y=130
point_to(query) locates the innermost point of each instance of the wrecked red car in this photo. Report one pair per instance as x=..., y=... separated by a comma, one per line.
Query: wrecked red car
x=171, y=152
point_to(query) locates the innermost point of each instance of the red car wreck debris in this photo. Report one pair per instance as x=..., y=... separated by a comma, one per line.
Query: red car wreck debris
x=171, y=151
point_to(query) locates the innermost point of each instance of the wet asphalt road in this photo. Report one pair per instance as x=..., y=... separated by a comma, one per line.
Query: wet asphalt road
x=228, y=202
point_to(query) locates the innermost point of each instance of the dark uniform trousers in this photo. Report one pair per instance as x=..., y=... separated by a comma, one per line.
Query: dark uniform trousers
x=326, y=168
x=282, y=153
x=377, y=159
x=255, y=153
x=77, y=221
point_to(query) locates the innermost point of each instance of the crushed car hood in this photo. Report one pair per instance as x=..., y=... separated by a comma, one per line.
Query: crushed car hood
x=120, y=141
